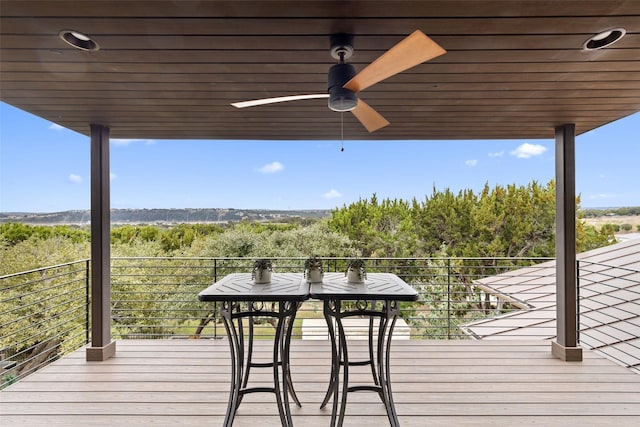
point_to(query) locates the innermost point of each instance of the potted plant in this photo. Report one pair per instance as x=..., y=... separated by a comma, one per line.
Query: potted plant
x=313, y=271
x=261, y=272
x=356, y=271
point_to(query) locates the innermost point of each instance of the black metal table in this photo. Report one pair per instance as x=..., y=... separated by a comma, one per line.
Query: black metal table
x=240, y=299
x=377, y=298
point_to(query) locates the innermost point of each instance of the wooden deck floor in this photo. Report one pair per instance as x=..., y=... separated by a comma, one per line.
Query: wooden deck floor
x=436, y=383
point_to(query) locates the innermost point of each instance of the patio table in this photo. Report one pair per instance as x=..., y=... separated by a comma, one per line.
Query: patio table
x=240, y=299
x=379, y=298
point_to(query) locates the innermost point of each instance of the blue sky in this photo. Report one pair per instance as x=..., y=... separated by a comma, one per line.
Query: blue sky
x=45, y=168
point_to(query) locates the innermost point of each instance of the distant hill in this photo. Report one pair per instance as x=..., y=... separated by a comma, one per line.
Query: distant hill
x=163, y=216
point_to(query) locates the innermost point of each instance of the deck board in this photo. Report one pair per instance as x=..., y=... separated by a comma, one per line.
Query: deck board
x=435, y=383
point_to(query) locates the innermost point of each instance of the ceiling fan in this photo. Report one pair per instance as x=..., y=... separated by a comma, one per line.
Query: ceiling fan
x=344, y=83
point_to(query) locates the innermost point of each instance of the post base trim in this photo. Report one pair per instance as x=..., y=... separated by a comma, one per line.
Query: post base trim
x=568, y=354
x=100, y=354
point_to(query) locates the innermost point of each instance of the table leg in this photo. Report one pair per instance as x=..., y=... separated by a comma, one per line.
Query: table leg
x=245, y=380
x=374, y=374
x=335, y=363
x=236, y=363
x=277, y=362
x=386, y=378
x=285, y=325
x=384, y=347
x=344, y=361
x=286, y=366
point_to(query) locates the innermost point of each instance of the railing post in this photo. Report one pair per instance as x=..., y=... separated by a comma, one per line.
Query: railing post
x=215, y=304
x=448, y=298
x=578, y=301
x=87, y=304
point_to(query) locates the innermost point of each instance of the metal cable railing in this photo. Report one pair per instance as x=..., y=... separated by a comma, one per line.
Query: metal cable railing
x=44, y=313
x=157, y=297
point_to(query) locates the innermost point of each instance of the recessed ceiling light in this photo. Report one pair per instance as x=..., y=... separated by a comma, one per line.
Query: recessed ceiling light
x=604, y=39
x=78, y=40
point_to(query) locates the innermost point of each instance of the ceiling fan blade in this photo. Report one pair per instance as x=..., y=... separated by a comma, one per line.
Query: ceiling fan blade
x=413, y=50
x=263, y=101
x=370, y=118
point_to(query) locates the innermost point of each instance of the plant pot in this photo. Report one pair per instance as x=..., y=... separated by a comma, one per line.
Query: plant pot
x=314, y=275
x=355, y=275
x=262, y=276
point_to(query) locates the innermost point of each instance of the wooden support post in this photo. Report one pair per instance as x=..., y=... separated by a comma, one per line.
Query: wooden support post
x=566, y=346
x=102, y=348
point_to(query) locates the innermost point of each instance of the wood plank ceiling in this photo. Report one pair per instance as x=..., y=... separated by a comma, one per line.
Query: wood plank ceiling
x=170, y=69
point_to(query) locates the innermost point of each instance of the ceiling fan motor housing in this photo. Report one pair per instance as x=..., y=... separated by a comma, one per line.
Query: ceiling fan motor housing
x=341, y=99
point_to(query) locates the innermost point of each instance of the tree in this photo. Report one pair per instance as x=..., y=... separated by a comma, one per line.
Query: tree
x=514, y=221
x=378, y=229
x=443, y=219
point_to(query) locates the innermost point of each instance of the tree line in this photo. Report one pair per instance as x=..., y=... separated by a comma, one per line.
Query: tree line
x=624, y=211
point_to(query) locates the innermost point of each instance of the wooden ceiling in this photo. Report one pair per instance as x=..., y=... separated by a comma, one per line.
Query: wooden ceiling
x=170, y=69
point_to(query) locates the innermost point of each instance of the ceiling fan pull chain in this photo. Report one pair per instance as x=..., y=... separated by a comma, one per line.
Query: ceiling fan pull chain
x=341, y=132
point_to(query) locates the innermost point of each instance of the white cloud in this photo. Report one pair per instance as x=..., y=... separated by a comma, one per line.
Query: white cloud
x=55, y=126
x=272, y=167
x=76, y=179
x=112, y=176
x=527, y=150
x=332, y=194
x=497, y=154
x=120, y=141
x=601, y=196
x=471, y=163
